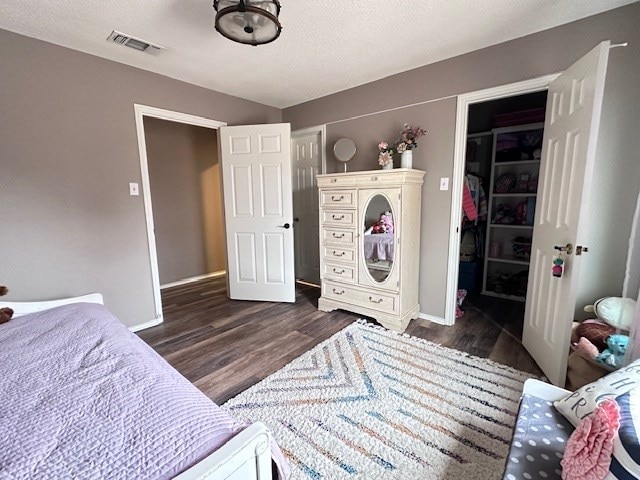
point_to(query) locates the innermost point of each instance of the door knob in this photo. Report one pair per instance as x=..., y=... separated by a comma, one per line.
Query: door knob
x=286, y=225
x=568, y=248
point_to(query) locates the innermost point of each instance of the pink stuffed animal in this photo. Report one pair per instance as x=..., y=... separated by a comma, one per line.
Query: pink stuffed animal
x=386, y=220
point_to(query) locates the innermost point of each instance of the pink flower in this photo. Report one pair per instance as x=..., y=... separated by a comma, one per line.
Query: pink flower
x=587, y=455
x=383, y=145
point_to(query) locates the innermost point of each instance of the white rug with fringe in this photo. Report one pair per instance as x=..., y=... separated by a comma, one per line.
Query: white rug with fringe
x=368, y=403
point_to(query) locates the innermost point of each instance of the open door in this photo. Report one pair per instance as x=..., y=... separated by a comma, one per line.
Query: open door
x=256, y=178
x=570, y=134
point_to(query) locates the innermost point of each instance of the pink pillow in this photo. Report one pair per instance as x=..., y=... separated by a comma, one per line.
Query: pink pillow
x=587, y=455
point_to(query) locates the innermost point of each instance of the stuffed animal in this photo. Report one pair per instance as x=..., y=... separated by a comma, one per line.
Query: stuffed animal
x=596, y=332
x=614, y=353
x=386, y=220
x=615, y=311
x=5, y=313
x=586, y=349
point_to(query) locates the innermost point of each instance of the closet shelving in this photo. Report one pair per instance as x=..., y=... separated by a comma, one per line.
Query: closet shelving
x=515, y=166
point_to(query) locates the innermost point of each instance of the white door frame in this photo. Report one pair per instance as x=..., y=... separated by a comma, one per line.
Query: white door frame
x=142, y=111
x=462, y=115
x=322, y=130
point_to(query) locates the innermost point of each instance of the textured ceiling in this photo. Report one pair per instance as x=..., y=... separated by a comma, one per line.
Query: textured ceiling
x=326, y=45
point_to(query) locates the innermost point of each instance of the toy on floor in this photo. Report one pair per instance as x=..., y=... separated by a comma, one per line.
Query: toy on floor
x=5, y=313
x=614, y=353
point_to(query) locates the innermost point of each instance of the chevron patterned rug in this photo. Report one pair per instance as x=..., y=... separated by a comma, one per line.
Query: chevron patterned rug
x=368, y=403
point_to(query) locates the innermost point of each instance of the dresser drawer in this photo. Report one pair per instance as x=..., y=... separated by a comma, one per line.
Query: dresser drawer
x=339, y=217
x=338, y=236
x=343, y=273
x=381, y=302
x=339, y=254
x=335, y=180
x=344, y=198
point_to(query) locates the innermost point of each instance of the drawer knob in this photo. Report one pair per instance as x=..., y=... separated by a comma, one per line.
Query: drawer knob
x=375, y=301
x=337, y=217
x=335, y=198
x=336, y=235
x=339, y=272
x=338, y=254
x=338, y=292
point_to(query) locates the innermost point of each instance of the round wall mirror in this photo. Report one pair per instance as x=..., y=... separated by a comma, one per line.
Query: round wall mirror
x=344, y=149
x=379, y=238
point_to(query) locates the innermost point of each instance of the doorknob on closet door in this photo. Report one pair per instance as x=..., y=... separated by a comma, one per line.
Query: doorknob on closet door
x=568, y=248
x=286, y=225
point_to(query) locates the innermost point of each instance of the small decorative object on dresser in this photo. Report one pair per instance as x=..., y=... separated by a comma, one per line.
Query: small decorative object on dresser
x=370, y=244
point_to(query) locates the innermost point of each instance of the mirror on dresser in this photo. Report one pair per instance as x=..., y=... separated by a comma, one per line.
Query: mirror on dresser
x=378, y=238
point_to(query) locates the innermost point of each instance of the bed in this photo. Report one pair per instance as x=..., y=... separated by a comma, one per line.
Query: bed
x=379, y=246
x=83, y=397
x=540, y=434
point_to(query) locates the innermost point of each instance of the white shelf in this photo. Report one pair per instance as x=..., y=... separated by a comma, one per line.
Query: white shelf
x=506, y=225
x=500, y=232
x=518, y=162
x=516, y=298
x=514, y=194
x=512, y=260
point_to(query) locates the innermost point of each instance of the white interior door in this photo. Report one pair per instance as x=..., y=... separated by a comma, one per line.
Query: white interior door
x=570, y=134
x=256, y=173
x=306, y=157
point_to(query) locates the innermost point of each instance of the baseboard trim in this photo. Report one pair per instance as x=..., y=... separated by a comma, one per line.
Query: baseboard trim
x=432, y=318
x=310, y=284
x=149, y=324
x=184, y=281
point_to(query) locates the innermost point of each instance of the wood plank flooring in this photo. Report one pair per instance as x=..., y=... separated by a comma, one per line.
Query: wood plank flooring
x=224, y=346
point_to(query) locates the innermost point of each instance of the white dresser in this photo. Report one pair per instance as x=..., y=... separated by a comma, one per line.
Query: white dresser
x=374, y=274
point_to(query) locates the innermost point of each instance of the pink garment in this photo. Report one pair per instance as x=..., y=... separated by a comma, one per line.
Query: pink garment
x=468, y=205
x=587, y=455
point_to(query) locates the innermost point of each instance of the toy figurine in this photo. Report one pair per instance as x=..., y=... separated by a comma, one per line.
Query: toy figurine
x=556, y=270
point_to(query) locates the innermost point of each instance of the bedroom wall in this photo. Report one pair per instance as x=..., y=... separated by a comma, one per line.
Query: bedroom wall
x=67, y=155
x=186, y=194
x=426, y=96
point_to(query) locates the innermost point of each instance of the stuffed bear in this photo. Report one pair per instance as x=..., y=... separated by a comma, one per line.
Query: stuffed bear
x=5, y=313
x=386, y=220
x=614, y=353
x=615, y=311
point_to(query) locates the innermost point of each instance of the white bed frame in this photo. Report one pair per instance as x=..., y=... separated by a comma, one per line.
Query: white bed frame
x=247, y=456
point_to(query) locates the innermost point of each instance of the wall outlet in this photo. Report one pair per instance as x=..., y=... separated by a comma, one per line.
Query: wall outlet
x=444, y=183
x=134, y=191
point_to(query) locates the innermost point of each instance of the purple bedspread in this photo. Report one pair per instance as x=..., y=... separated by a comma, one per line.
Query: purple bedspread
x=83, y=397
x=379, y=246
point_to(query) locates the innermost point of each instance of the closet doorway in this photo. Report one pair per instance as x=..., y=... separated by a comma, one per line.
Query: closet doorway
x=502, y=162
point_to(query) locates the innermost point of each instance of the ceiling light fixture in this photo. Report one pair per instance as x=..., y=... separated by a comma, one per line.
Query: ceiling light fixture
x=252, y=22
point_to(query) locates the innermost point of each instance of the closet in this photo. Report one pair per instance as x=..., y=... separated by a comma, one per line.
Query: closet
x=370, y=244
x=501, y=175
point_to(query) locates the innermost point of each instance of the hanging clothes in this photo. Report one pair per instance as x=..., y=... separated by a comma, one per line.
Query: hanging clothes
x=477, y=193
x=468, y=203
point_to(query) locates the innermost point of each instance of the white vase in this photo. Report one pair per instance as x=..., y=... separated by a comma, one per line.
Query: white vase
x=406, y=159
x=387, y=166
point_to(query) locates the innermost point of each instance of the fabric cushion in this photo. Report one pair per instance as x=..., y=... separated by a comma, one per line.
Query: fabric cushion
x=589, y=449
x=583, y=401
x=625, y=463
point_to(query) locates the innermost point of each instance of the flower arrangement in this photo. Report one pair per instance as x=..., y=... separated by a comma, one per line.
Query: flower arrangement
x=407, y=141
x=385, y=157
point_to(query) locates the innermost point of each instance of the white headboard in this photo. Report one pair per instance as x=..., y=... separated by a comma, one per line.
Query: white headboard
x=23, y=308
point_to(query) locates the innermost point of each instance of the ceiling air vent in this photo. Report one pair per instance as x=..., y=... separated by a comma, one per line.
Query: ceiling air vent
x=133, y=42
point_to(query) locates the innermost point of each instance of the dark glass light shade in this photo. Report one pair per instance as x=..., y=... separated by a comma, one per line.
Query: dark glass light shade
x=252, y=22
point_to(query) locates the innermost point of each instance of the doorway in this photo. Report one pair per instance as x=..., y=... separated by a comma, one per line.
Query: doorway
x=142, y=112
x=502, y=164
x=308, y=158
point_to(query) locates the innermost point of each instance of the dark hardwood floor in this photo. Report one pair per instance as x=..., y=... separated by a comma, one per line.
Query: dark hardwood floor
x=224, y=346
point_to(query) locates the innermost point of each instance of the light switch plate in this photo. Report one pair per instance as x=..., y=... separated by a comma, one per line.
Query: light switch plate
x=444, y=183
x=134, y=191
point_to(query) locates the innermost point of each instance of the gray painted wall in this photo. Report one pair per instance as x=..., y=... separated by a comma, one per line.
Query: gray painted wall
x=68, y=152
x=186, y=193
x=521, y=59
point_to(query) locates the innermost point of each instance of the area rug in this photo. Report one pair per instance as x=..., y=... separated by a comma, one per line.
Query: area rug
x=368, y=403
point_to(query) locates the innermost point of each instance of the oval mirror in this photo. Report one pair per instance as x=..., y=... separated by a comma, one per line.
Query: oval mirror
x=379, y=238
x=344, y=149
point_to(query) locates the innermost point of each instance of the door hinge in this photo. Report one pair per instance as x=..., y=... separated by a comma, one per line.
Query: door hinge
x=580, y=249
